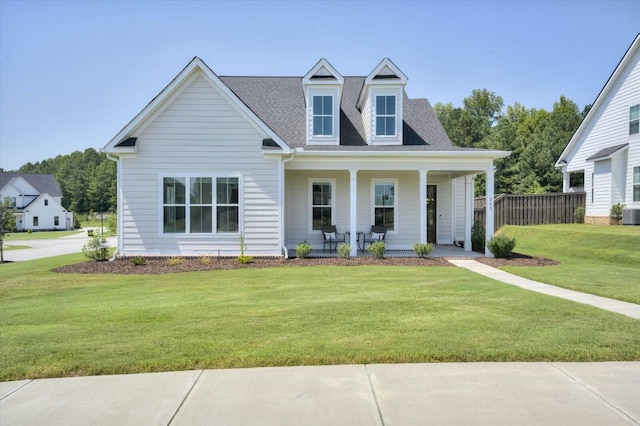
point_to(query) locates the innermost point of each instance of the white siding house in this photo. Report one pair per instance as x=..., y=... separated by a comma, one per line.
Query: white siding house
x=212, y=158
x=606, y=146
x=37, y=200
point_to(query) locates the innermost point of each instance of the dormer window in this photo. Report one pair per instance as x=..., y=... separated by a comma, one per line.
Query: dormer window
x=385, y=115
x=323, y=116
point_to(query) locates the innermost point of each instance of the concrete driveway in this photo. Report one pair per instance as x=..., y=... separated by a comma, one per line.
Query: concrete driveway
x=47, y=248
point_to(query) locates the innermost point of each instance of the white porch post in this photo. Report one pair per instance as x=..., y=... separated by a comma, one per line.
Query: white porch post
x=490, y=214
x=566, y=184
x=423, y=206
x=468, y=211
x=353, y=217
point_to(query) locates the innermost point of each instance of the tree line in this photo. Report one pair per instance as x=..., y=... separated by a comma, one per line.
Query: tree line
x=87, y=180
x=535, y=137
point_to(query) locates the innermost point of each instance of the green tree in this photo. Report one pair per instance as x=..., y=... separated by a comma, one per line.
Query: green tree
x=7, y=223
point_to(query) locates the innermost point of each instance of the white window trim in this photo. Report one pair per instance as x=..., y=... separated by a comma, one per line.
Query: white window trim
x=629, y=122
x=376, y=115
x=330, y=181
x=634, y=183
x=333, y=116
x=214, y=205
x=396, y=199
x=334, y=138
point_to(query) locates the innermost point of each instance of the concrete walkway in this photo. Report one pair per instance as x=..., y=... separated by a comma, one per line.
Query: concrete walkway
x=345, y=395
x=625, y=308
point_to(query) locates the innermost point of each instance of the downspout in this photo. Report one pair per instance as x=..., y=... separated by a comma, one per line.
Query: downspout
x=281, y=201
x=119, y=204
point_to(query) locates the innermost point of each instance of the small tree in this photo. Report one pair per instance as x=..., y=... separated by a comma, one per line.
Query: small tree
x=7, y=223
x=96, y=249
x=615, y=214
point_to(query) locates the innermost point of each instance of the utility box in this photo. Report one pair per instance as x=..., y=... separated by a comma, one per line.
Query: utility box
x=630, y=217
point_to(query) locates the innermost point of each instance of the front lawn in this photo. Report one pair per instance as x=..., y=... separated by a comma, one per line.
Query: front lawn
x=44, y=235
x=601, y=260
x=63, y=325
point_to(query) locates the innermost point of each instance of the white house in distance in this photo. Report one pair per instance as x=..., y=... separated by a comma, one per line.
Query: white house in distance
x=38, y=201
x=275, y=158
x=606, y=146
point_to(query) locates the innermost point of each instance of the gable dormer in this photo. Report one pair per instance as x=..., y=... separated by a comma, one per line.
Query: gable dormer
x=323, y=92
x=380, y=103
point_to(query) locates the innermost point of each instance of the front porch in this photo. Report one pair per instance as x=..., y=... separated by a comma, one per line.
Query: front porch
x=439, y=251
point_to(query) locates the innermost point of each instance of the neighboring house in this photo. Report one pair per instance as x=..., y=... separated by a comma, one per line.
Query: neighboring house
x=606, y=146
x=38, y=201
x=275, y=158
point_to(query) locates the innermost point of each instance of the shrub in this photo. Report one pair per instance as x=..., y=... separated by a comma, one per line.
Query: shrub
x=76, y=223
x=477, y=237
x=137, y=260
x=615, y=214
x=501, y=245
x=205, y=260
x=344, y=250
x=242, y=258
x=578, y=215
x=303, y=249
x=422, y=250
x=96, y=249
x=30, y=231
x=377, y=249
x=174, y=261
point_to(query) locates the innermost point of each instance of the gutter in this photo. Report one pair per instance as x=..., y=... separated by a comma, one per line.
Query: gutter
x=281, y=202
x=118, y=204
x=431, y=154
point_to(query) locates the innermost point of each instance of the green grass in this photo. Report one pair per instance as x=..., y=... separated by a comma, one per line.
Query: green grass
x=45, y=235
x=6, y=248
x=601, y=260
x=63, y=325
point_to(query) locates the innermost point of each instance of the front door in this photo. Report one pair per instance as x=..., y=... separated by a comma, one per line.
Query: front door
x=431, y=213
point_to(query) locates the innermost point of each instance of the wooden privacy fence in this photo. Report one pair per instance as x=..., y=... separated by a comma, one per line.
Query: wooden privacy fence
x=531, y=209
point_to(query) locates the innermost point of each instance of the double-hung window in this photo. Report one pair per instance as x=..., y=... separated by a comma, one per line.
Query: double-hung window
x=384, y=204
x=636, y=184
x=210, y=200
x=385, y=115
x=322, y=203
x=322, y=115
x=634, y=120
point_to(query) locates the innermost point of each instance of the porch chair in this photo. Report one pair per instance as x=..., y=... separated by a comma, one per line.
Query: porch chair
x=377, y=233
x=331, y=236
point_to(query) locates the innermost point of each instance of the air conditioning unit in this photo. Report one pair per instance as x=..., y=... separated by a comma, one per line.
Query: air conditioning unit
x=630, y=217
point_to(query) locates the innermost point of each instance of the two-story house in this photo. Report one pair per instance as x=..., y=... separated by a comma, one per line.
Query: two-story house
x=606, y=146
x=37, y=200
x=276, y=158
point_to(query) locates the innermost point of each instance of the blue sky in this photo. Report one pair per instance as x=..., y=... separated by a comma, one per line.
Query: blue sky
x=73, y=73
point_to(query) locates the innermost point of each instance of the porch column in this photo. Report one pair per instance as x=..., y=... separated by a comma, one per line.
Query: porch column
x=353, y=216
x=423, y=206
x=468, y=210
x=490, y=214
x=566, y=184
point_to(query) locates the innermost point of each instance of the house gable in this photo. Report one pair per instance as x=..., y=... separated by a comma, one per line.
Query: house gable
x=122, y=143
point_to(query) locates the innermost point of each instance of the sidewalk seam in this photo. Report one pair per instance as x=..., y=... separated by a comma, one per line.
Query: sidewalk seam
x=371, y=378
x=16, y=390
x=613, y=407
x=193, y=385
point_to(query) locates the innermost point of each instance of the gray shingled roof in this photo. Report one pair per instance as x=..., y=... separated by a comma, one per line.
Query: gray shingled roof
x=43, y=183
x=279, y=102
x=605, y=152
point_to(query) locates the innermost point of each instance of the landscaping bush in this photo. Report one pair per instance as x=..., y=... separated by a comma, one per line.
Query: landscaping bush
x=344, y=250
x=242, y=258
x=96, y=249
x=422, y=250
x=303, y=249
x=137, y=260
x=501, y=245
x=377, y=249
x=615, y=214
x=477, y=237
x=578, y=215
x=174, y=261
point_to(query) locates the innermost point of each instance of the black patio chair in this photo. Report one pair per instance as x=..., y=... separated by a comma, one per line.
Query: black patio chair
x=331, y=236
x=377, y=233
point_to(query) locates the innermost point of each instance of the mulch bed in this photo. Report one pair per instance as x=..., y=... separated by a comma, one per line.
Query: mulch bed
x=165, y=265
